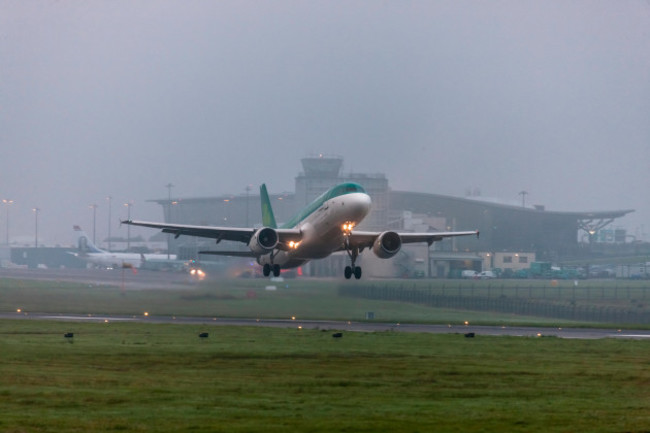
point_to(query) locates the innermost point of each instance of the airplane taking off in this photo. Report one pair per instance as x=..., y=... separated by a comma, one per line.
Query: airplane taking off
x=323, y=227
x=86, y=250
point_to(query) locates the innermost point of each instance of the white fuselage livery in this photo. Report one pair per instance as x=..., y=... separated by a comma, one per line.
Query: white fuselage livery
x=118, y=260
x=95, y=256
x=321, y=230
x=113, y=260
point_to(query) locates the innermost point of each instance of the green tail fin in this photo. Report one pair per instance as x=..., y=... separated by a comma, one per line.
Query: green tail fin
x=268, y=220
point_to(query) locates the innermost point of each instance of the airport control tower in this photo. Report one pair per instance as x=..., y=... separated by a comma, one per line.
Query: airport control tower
x=321, y=172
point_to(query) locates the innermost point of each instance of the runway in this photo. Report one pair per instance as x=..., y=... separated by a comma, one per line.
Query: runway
x=145, y=280
x=468, y=330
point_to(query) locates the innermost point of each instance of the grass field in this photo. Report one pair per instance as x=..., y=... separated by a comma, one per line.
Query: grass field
x=163, y=378
x=236, y=298
x=316, y=299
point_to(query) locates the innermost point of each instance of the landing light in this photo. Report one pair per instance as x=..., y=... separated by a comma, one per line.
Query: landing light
x=197, y=272
x=293, y=245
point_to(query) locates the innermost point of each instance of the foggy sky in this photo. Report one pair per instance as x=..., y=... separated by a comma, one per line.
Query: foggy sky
x=119, y=98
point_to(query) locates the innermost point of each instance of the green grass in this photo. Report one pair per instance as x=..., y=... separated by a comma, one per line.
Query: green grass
x=163, y=378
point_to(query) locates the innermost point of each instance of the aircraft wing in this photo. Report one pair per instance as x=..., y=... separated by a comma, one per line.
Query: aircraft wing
x=230, y=253
x=219, y=233
x=430, y=238
x=366, y=239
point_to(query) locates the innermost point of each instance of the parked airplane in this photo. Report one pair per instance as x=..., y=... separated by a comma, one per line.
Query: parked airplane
x=323, y=227
x=86, y=250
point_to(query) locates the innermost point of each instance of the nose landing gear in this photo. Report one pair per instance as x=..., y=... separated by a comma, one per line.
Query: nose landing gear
x=352, y=270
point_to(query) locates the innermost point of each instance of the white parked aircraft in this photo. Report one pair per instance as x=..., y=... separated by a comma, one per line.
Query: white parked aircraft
x=87, y=251
x=323, y=227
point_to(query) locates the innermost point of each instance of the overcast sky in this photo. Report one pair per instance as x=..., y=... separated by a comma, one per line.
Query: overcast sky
x=120, y=98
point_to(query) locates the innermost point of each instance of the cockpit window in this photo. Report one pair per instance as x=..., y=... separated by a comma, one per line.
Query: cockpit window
x=346, y=188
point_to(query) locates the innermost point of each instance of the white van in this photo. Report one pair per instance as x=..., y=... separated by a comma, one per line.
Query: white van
x=468, y=274
x=486, y=275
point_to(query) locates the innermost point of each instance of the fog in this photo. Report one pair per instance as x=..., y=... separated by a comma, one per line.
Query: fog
x=120, y=98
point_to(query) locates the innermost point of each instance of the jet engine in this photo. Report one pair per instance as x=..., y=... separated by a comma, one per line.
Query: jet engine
x=263, y=241
x=387, y=245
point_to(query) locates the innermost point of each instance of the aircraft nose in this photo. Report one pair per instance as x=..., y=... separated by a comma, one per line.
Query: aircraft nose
x=366, y=202
x=361, y=205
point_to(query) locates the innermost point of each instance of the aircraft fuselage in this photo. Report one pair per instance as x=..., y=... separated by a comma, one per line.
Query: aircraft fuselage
x=322, y=230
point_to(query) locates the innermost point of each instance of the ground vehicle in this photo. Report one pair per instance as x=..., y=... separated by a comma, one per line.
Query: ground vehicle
x=486, y=275
x=468, y=274
x=540, y=270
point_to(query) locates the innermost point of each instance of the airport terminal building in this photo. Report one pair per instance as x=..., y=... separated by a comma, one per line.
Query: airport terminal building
x=506, y=230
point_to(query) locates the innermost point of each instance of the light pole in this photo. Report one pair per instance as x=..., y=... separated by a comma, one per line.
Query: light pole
x=248, y=191
x=110, y=199
x=7, y=203
x=36, y=212
x=169, y=187
x=523, y=195
x=94, y=208
x=128, y=227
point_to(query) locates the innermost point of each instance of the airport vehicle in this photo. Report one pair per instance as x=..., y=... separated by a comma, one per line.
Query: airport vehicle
x=323, y=227
x=87, y=251
x=486, y=275
x=468, y=274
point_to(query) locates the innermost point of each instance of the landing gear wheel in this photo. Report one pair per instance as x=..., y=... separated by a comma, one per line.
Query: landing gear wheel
x=266, y=270
x=276, y=270
x=353, y=253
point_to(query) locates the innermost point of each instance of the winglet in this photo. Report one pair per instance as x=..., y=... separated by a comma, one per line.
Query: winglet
x=268, y=220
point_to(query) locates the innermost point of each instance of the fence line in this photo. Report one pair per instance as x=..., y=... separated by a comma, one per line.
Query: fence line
x=516, y=300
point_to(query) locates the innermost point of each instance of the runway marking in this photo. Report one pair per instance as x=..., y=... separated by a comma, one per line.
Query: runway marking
x=100, y=318
x=632, y=335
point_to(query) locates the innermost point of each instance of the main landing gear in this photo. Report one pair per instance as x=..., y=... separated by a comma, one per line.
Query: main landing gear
x=267, y=269
x=352, y=270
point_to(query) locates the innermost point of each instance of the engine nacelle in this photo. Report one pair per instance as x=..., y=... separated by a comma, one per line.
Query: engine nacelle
x=264, y=241
x=387, y=245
